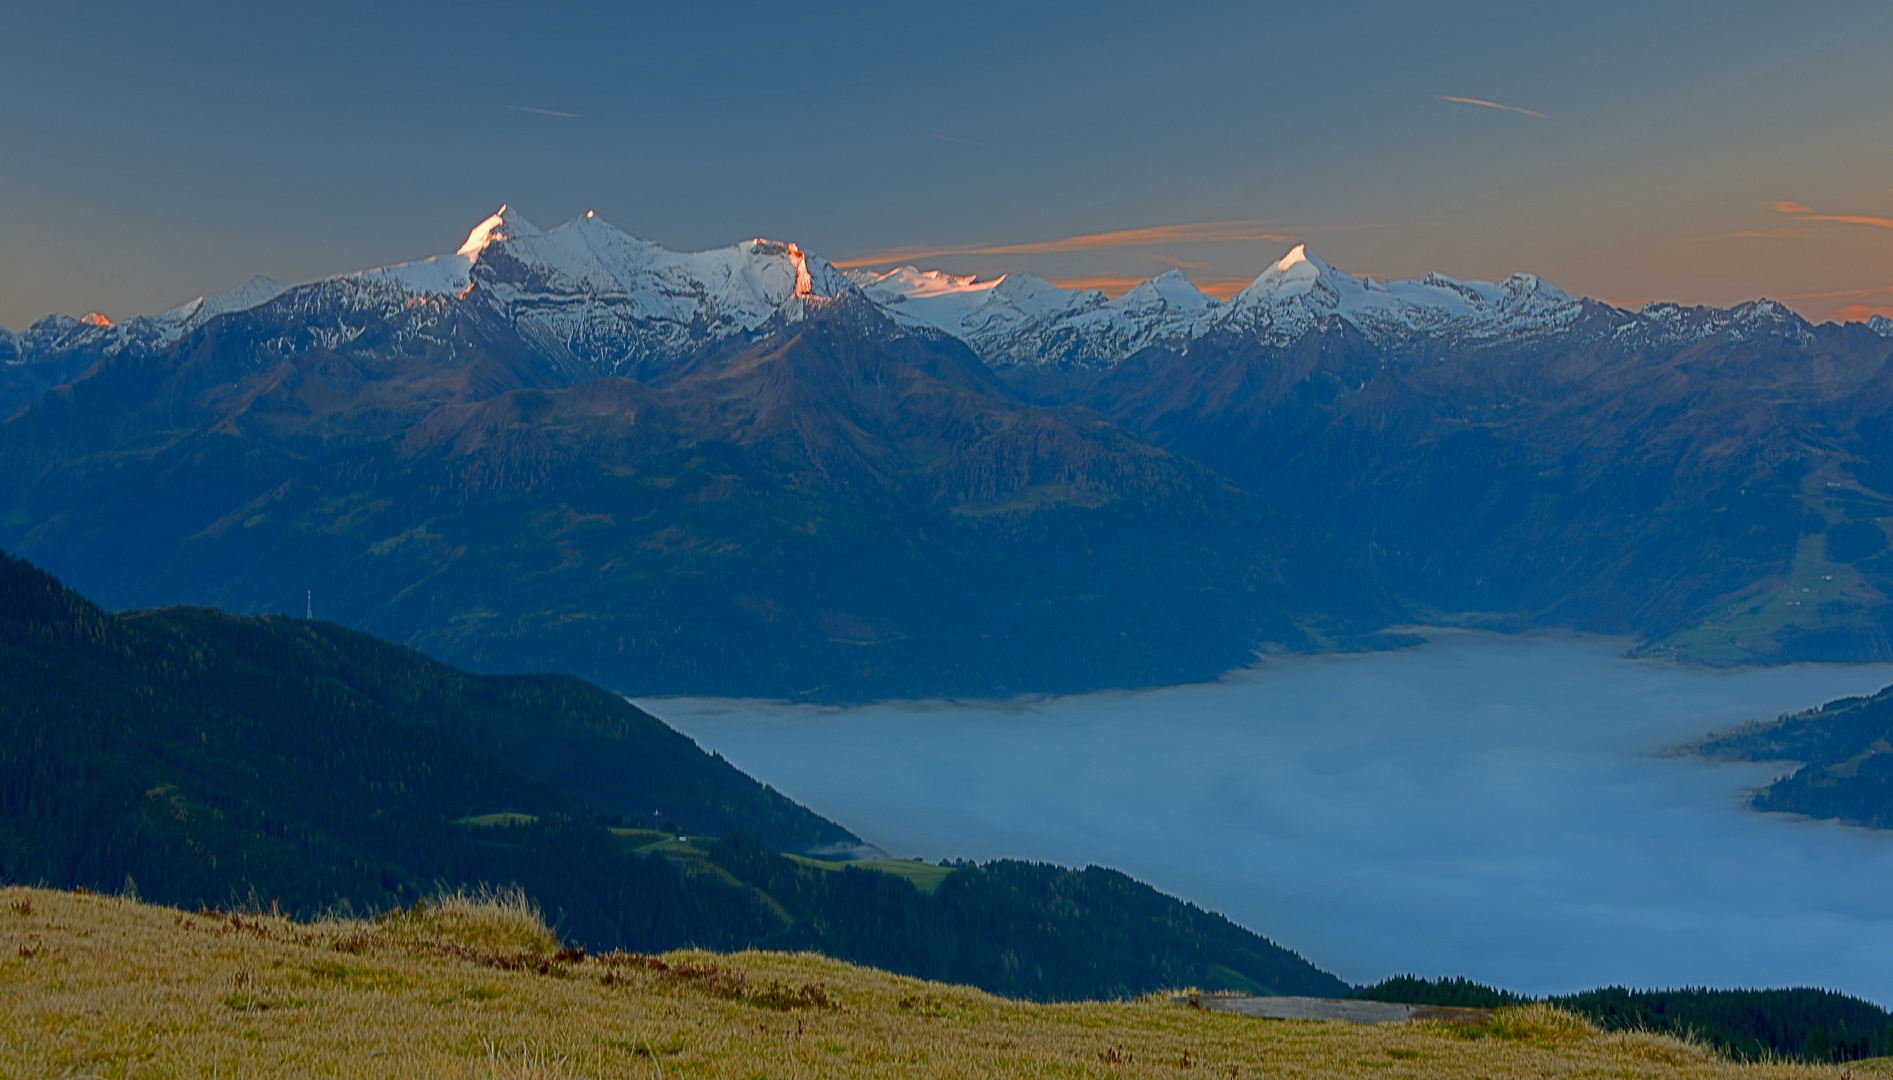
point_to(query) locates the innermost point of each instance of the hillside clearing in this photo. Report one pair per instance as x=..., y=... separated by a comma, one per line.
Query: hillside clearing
x=108, y=987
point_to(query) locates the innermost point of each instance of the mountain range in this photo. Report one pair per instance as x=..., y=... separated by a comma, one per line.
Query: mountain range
x=743, y=471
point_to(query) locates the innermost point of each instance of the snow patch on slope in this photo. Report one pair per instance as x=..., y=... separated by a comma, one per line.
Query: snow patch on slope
x=1021, y=319
x=255, y=292
x=1669, y=324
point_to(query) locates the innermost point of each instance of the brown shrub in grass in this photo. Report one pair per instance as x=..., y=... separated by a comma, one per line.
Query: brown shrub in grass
x=474, y=986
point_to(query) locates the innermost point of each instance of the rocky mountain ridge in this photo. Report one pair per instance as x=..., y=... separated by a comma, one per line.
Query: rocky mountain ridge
x=1709, y=480
x=793, y=497
x=599, y=300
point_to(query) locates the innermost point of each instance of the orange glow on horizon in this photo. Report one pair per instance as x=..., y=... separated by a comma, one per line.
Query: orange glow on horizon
x=1862, y=312
x=1202, y=232
x=1224, y=288
x=1116, y=286
x=1112, y=287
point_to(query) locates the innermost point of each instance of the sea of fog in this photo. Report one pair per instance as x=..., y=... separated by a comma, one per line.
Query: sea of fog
x=1498, y=807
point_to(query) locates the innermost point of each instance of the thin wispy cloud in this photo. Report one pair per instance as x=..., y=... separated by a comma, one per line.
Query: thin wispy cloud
x=1806, y=213
x=956, y=139
x=1202, y=232
x=1888, y=291
x=1786, y=232
x=546, y=112
x=1484, y=104
x=1853, y=219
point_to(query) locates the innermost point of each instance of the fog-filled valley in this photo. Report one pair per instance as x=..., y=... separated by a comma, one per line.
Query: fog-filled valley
x=1502, y=807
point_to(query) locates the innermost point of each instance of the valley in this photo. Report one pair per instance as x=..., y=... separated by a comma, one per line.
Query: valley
x=600, y=541
x=1515, y=808
x=777, y=502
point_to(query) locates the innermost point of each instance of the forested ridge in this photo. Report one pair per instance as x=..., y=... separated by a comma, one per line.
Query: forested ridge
x=1749, y=1025
x=204, y=759
x=1846, y=751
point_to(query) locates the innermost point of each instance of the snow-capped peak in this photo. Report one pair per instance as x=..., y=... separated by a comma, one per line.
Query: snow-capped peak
x=1666, y=323
x=1881, y=325
x=506, y=224
x=1300, y=289
x=255, y=292
x=1298, y=273
x=590, y=293
x=1172, y=289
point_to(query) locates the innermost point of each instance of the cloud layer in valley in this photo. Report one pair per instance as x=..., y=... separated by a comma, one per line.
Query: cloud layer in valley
x=1495, y=807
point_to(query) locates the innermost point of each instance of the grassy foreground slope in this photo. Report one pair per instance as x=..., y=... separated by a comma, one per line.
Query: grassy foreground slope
x=107, y=987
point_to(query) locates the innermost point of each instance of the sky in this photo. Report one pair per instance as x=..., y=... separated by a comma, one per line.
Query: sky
x=1697, y=152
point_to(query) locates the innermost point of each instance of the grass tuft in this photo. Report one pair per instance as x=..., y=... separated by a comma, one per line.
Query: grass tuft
x=490, y=924
x=474, y=985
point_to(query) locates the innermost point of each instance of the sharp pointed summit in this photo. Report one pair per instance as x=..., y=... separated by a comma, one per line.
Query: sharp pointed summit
x=505, y=224
x=1299, y=273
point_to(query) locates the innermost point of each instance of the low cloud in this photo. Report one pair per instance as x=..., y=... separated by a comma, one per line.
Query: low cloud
x=1323, y=801
x=1484, y=104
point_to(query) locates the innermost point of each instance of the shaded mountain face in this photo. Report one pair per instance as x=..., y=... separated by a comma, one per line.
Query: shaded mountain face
x=1711, y=481
x=478, y=453
x=209, y=756
x=803, y=499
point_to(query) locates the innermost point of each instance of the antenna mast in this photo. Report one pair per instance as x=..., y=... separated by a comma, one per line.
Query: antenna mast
x=309, y=612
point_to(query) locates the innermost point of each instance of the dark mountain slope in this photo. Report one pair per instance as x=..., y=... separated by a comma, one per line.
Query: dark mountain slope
x=167, y=743
x=838, y=510
x=1604, y=479
x=1023, y=929
x=214, y=759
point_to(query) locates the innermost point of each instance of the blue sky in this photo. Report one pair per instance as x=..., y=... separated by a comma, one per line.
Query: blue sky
x=1692, y=151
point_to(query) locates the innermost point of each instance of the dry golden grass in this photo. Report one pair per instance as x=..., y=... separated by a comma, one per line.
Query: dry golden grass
x=475, y=987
